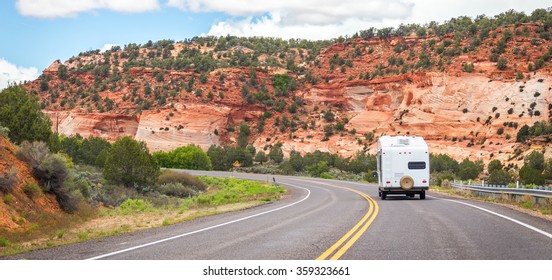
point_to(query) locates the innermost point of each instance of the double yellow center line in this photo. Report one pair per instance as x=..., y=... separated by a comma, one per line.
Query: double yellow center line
x=344, y=243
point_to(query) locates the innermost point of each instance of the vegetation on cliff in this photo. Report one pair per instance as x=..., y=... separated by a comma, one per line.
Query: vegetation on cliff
x=270, y=71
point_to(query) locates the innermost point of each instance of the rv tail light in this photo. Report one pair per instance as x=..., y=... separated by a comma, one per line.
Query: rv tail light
x=424, y=181
x=388, y=182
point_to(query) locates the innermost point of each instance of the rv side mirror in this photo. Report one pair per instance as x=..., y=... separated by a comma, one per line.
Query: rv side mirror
x=375, y=174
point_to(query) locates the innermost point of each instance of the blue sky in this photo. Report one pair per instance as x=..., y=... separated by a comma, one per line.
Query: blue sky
x=37, y=32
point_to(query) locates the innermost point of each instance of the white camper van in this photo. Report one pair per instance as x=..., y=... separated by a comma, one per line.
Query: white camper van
x=403, y=166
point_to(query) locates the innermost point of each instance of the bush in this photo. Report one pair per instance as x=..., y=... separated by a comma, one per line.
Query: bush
x=33, y=153
x=438, y=178
x=31, y=189
x=535, y=160
x=87, y=180
x=276, y=154
x=169, y=177
x=50, y=170
x=468, y=170
x=494, y=165
x=222, y=158
x=502, y=63
x=261, y=157
x=316, y=170
x=362, y=162
x=442, y=163
x=499, y=177
x=369, y=177
x=4, y=242
x=329, y=116
x=176, y=189
x=530, y=175
x=8, y=198
x=114, y=195
x=8, y=180
x=129, y=163
x=186, y=157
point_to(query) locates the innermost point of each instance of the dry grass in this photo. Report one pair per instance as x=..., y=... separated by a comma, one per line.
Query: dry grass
x=103, y=226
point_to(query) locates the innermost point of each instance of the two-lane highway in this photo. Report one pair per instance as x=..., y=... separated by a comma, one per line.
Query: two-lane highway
x=328, y=219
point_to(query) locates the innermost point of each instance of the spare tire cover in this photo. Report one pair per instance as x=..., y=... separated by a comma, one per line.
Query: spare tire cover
x=407, y=182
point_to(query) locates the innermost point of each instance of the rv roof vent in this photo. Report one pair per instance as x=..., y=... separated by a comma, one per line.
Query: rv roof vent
x=404, y=141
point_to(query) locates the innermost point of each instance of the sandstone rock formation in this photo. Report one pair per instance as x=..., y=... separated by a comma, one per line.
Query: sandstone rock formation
x=413, y=85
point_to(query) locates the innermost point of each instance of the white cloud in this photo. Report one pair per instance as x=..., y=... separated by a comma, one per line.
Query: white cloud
x=325, y=19
x=10, y=73
x=271, y=26
x=108, y=47
x=71, y=8
x=303, y=12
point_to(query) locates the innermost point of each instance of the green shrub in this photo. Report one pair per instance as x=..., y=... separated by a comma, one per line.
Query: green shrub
x=182, y=178
x=31, y=189
x=4, y=242
x=437, y=178
x=176, y=189
x=316, y=170
x=114, y=195
x=8, y=198
x=529, y=175
x=369, y=177
x=499, y=177
x=326, y=176
x=129, y=163
x=186, y=157
x=276, y=154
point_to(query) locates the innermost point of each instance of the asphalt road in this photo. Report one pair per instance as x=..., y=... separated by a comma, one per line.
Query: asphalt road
x=327, y=219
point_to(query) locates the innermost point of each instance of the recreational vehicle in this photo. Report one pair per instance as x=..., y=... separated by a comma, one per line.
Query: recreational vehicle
x=402, y=166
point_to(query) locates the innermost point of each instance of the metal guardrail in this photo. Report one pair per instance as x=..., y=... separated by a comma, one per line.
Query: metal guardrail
x=536, y=191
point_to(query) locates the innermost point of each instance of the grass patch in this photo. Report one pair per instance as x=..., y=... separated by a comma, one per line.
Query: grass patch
x=129, y=207
x=83, y=235
x=166, y=222
x=4, y=242
x=231, y=190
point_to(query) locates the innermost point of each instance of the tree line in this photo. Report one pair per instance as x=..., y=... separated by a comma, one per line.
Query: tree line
x=535, y=170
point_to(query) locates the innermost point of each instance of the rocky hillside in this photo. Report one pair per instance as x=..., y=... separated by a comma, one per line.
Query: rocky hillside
x=25, y=203
x=467, y=86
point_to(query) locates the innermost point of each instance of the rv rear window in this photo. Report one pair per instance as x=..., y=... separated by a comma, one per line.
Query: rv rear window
x=417, y=165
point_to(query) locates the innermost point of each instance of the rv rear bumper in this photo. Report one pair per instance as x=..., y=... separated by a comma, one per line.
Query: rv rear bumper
x=399, y=190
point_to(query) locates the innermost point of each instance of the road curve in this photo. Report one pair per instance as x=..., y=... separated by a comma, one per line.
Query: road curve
x=328, y=219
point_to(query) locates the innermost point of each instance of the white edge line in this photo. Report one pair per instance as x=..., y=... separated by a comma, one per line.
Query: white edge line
x=204, y=229
x=499, y=215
